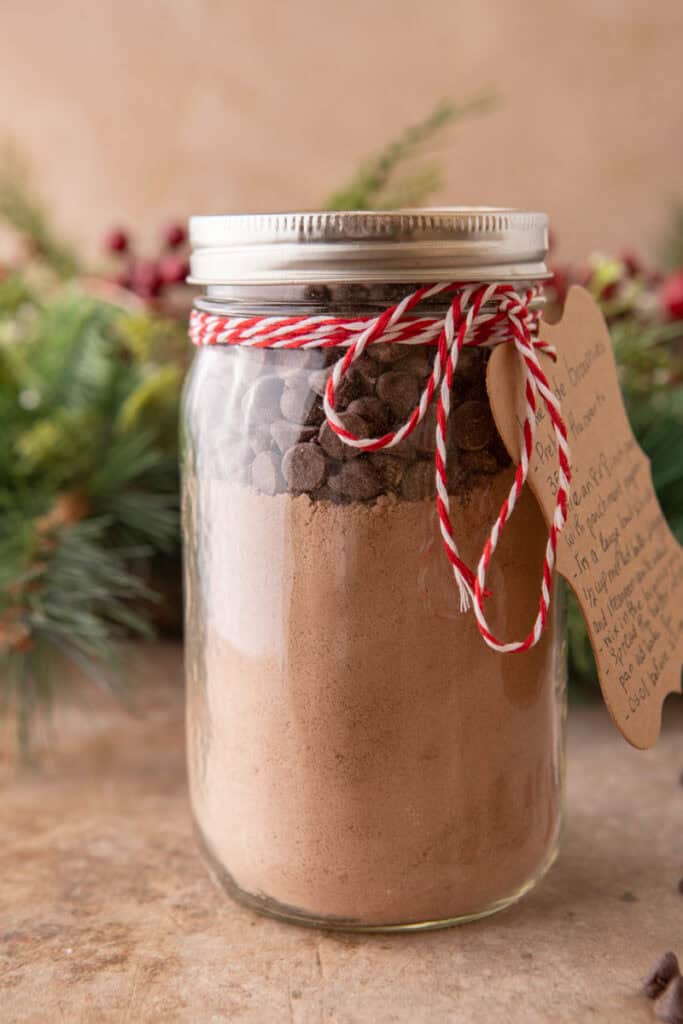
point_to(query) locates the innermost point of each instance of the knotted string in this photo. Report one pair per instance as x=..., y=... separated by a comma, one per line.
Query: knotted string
x=478, y=315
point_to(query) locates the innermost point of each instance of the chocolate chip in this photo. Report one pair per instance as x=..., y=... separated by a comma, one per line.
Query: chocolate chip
x=390, y=469
x=385, y=352
x=299, y=405
x=293, y=366
x=373, y=411
x=424, y=435
x=470, y=366
x=265, y=473
x=318, y=380
x=286, y=434
x=247, y=364
x=405, y=449
x=473, y=426
x=418, y=361
x=304, y=467
x=479, y=462
x=333, y=445
x=356, y=480
x=229, y=458
x=259, y=438
x=330, y=356
x=260, y=400
x=660, y=975
x=400, y=391
x=456, y=475
x=669, y=1007
x=368, y=370
x=350, y=386
x=418, y=481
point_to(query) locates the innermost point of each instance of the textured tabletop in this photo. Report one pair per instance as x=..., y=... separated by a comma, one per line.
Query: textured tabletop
x=107, y=914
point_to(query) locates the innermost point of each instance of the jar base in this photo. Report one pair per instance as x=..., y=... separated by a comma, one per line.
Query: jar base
x=269, y=907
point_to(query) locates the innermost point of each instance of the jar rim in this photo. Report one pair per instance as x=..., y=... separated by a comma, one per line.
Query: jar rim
x=410, y=245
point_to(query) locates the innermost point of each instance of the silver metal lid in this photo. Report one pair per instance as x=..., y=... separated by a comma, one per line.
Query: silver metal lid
x=450, y=243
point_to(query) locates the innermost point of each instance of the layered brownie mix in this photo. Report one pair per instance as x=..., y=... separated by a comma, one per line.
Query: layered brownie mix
x=357, y=754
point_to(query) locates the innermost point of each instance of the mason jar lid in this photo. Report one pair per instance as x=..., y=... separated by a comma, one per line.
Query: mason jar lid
x=449, y=243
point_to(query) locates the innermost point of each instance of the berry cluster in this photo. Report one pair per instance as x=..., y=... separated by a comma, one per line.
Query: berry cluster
x=617, y=279
x=149, y=278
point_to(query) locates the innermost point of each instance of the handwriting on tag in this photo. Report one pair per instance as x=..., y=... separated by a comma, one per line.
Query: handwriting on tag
x=616, y=550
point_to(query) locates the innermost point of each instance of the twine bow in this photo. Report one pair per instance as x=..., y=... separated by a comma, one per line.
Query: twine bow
x=477, y=315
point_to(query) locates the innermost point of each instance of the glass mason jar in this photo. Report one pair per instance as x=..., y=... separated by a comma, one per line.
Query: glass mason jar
x=358, y=757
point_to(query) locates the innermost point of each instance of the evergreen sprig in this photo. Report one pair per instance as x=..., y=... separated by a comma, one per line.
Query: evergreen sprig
x=88, y=483
x=376, y=186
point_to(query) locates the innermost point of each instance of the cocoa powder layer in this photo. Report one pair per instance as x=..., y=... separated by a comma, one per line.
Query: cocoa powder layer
x=355, y=750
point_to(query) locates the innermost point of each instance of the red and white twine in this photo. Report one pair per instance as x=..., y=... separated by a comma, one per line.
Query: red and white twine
x=477, y=315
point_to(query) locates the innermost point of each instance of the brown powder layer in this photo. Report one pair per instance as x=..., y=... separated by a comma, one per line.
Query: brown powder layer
x=356, y=751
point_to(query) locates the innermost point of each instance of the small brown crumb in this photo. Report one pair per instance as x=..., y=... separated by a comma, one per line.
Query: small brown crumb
x=669, y=1007
x=660, y=975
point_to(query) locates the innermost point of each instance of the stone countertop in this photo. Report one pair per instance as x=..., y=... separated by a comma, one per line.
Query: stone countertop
x=108, y=914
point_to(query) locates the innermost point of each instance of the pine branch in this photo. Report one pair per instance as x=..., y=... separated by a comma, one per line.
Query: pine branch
x=372, y=187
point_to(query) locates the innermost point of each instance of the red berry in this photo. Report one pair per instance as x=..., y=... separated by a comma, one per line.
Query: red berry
x=632, y=263
x=173, y=269
x=609, y=291
x=671, y=295
x=116, y=241
x=174, y=235
x=146, y=280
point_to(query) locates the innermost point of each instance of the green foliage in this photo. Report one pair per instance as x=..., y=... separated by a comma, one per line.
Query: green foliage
x=375, y=185
x=88, y=481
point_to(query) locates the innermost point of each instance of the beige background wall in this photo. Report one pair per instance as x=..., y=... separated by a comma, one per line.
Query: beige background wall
x=137, y=110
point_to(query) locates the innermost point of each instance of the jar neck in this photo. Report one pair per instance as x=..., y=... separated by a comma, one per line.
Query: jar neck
x=339, y=298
